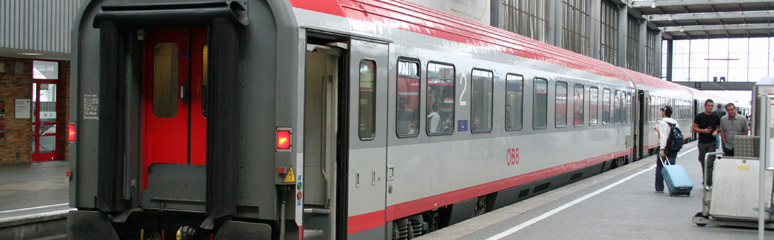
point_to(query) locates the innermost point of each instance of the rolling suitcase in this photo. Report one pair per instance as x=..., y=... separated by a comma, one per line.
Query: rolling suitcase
x=676, y=178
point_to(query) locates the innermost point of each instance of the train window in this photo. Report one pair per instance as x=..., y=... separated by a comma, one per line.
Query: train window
x=560, y=118
x=440, y=99
x=540, y=112
x=577, y=112
x=593, y=106
x=367, y=110
x=514, y=101
x=653, y=105
x=165, y=80
x=407, y=112
x=616, y=107
x=606, y=106
x=205, y=84
x=481, y=101
x=628, y=107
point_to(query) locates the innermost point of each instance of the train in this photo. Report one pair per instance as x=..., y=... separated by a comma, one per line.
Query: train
x=333, y=119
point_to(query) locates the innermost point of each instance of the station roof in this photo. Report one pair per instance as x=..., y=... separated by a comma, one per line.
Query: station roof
x=699, y=19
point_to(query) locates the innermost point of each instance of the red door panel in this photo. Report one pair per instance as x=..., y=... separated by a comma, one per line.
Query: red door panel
x=172, y=114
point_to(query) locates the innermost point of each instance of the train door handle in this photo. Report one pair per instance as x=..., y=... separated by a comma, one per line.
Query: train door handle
x=357, y=179
x=390, y=172
x=373, y=177
x=183, y=93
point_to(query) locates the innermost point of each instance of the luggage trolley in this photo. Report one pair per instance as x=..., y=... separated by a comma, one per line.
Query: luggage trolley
x=732, y=200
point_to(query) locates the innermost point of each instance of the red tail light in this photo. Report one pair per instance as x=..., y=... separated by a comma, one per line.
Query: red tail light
x=71, y=132
x=283, y=139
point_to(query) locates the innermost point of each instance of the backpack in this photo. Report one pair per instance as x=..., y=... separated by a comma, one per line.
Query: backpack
x=675, y=140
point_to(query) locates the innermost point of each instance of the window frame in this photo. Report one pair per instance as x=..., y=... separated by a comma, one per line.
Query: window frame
x=597, y=106
x=606, y=120
x=521, y=102
x=556, y=103
x=454, y=97
x=534, y=104
x=582, y=102
x=419, y=95
x=491, y=100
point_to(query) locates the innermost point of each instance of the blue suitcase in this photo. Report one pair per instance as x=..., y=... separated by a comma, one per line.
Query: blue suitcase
x=677, y=179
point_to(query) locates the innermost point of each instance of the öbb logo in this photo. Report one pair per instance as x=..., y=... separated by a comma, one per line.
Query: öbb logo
x=512, y=157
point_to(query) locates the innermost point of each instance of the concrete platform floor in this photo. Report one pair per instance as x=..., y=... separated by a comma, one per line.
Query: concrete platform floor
x=618, y=204
x=33, y=188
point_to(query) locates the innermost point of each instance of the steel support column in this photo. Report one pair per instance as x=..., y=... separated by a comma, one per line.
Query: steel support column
x=623, y=21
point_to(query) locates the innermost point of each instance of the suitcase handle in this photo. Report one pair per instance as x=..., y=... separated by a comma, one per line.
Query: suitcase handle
x=663, y=160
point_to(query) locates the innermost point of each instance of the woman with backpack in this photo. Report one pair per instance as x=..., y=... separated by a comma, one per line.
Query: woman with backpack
x=664, y=129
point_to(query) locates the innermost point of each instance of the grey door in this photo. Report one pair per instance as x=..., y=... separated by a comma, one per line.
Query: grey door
x=368, y=69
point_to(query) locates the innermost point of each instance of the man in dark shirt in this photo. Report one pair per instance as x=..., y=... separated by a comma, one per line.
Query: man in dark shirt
x=707, y=125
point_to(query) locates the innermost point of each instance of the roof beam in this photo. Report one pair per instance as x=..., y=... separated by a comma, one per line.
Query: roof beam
x=710, y=16
x=726, y=27
x=677, y=3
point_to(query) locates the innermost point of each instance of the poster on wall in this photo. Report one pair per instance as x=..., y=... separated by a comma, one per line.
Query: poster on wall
x=2, y=119
x=22, y=109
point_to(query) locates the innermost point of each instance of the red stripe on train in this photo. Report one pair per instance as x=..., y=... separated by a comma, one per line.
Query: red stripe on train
x=377, y=219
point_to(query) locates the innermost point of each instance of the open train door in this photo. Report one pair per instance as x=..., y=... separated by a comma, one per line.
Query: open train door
x=367, y=140
x=642, y=111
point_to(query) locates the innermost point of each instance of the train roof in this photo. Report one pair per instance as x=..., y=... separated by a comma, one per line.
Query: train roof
x=416, y=18
x=641, y=79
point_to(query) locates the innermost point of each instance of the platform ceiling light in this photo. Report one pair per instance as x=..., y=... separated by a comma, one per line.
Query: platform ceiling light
x=30, y=54
x=653, y=5
x=682, y=29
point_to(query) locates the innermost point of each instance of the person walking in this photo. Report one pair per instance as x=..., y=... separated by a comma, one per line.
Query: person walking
x=730, y=126
x=663, y=130
x=707, y=125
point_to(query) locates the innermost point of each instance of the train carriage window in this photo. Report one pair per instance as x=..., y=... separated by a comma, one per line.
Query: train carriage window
x=440, y=99
x=560, y=109
x=653, y=105
x=367, y=110
x=577, y=113
x=481, y=101
x=165, y=79
x=407, y=111
x=593, y=106
x=628, y=107
x=205, y=82
x=514, y=101
x=616, y=107
x=606, y=106
x=540, y=111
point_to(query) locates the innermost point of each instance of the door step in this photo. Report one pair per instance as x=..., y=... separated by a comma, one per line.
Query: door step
x=311, y=233
x=317, y=210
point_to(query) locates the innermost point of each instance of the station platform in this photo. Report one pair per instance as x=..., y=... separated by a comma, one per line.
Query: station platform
x=33, y=188
x=618, y=204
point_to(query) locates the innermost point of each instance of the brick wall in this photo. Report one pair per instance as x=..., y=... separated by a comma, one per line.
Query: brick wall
x=16, y=146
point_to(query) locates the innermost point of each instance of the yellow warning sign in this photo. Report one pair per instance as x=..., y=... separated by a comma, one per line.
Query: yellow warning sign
x=290, y=177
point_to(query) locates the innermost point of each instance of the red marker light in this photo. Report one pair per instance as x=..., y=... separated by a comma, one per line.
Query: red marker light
x=283, y=139
x=71, y=132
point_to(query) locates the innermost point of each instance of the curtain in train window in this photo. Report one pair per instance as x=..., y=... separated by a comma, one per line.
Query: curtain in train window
x=540, y=104
x=440, y=99
x=593, y=106
x=577, y=110
x=481, y=101
x=367, y=102
x=653, y=108
x=205, y=80
x=628, y=107
x=606, y=106
x=514, y=101
x=561, y=105
x=165, y=80
x=407, y=112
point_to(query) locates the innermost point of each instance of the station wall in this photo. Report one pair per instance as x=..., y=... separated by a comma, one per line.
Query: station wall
x=16, y=140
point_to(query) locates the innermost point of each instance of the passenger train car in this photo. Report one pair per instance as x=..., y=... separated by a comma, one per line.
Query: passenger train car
x=331, y=119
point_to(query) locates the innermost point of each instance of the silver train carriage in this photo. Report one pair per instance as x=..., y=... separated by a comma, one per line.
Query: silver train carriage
x=334, y=119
